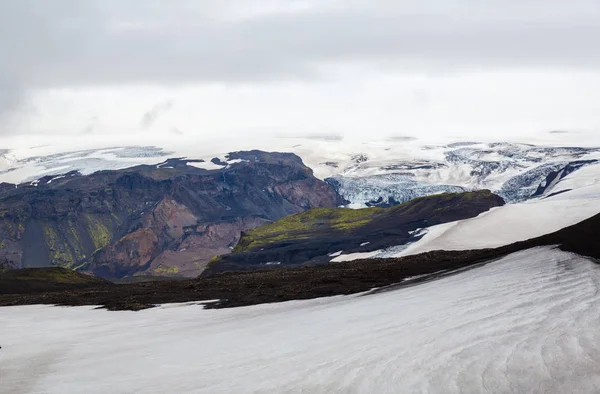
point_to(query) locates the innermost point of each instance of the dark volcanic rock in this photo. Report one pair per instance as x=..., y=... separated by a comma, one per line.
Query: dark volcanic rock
x=554, y=176
x=41, y=280
x=117, y=223
x=276, y=285
x=6, y=186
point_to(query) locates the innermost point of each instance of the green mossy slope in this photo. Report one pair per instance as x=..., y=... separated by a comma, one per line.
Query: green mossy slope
x=306, y=224
x=72, y=241
x=332, y=221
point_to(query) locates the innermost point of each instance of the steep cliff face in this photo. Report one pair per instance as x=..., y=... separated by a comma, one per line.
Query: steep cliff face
x=168, y=219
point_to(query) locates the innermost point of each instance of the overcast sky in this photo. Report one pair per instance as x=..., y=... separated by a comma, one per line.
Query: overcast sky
x=298, y=67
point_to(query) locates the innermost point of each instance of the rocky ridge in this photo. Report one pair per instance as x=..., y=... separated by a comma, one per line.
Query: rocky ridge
x=168, y=219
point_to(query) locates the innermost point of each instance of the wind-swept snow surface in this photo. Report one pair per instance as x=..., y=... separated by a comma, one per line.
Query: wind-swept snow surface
x=526, y=323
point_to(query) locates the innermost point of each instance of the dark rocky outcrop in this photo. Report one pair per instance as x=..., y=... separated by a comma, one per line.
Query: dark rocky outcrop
x=168, y=219
x=554, y=176
x=41, y=280
x=311, y=237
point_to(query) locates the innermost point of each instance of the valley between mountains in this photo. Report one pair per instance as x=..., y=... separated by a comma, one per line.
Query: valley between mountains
x=476, y=275
x=258, y=227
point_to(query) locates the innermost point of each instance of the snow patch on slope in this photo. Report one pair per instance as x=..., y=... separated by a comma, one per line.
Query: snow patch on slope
x=206, y=165
x=353, y=256
x=30, y=164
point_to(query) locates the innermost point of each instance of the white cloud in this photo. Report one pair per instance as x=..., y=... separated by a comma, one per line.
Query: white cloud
x=500, y=104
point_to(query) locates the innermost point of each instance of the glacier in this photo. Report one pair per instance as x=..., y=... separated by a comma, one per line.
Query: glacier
x=381, y=171
x=516, y=172
x=385, y=190
x=525, y=323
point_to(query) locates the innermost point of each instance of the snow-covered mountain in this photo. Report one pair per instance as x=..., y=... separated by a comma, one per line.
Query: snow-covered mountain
x=516, y=172
x=19, y=166
x=379, y=172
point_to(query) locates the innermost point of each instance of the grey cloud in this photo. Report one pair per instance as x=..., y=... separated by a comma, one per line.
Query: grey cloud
x=89, y=129
x=10, y=97
x=98, y=42
x=150, y=117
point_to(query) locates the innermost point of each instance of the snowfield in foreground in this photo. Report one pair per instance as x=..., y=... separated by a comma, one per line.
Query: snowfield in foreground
x=525, y=323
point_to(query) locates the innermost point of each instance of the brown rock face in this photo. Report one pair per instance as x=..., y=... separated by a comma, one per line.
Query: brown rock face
x=191, y=253
x=162, y=225
x=146, y=220
x=169, y=218
x=126, y=256
x=171, y=243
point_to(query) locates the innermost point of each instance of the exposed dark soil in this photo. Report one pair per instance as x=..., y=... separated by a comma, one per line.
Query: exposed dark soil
x=256, y=287
x=41, y=280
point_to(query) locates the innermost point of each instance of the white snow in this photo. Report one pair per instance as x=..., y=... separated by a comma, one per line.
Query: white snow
x=56, y=177
x=526, y=323
x=207, y=165
x=354, y=256
x=28, y=164
x=336, y=254
x=316, y=153
x=164, y=165
x=235, y=161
